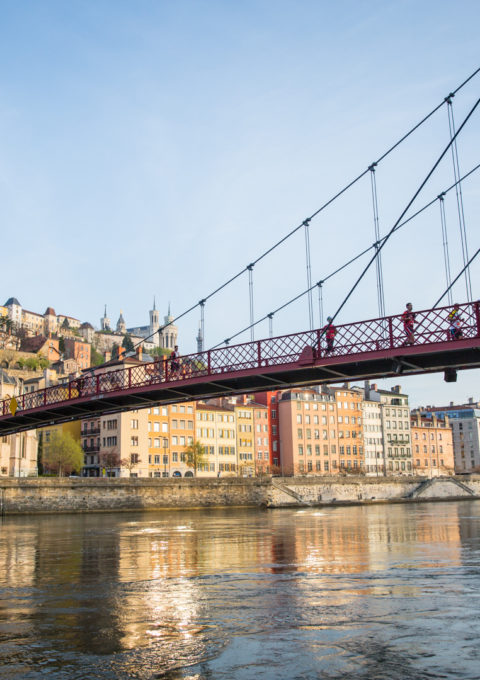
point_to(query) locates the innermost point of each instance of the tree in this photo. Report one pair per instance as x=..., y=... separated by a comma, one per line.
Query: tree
x=62, y=454
x=96, y=358
x=127, y=343
x=130, y=463
x=110, y=460
x=195, y=456
x=61, y=344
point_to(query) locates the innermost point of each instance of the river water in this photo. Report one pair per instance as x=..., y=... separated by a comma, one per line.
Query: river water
x=389, y=591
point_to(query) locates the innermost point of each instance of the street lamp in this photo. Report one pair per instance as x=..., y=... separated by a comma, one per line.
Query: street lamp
x=165, y=457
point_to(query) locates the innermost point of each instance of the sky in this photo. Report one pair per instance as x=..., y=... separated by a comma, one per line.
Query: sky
x=157, y=148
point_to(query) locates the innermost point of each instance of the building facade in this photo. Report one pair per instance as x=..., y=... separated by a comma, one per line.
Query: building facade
x=432, y=444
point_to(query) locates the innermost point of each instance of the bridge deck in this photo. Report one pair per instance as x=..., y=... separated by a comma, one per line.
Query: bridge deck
x=367, y=349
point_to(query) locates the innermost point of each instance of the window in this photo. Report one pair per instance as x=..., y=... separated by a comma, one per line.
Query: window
x=133, y=441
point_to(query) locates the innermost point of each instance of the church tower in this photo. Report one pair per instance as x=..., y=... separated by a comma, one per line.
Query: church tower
x=154, y=325
x=121, y=325
x=105, y=321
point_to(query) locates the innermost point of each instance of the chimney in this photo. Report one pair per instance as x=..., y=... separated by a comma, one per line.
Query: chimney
x=374, y=387
x=139, y=352
x=451, y=403
x=470, y=400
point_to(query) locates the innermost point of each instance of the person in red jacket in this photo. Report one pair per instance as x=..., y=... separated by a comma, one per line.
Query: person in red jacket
x=330, y=332
x=408, y=320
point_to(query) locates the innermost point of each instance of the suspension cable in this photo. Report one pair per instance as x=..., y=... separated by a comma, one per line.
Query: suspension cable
x=376, y=224
x=250, y=294
x=456, y=279
x=324, y=206
x=314, y=214
x=309, y=273
x=407, y=207
x=446, y=255
x=458, y=191
x=351, y=261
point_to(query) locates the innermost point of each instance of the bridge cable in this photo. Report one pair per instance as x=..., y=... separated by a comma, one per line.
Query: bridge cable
x=446, y=255
x=458, y=191
x=320, y=209
x=376, y=224
x=407, y=207
x=456, y=278
x=250, y=294
x=349, y=262
x=319, y=285
x=308, y=266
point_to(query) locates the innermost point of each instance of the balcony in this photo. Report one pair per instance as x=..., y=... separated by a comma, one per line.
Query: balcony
x=91, y=449
x=90, y=433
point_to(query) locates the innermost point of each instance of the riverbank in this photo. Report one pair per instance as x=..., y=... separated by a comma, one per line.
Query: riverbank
x=52, y=495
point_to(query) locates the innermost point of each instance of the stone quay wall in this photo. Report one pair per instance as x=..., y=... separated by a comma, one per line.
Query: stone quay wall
x=52, y=495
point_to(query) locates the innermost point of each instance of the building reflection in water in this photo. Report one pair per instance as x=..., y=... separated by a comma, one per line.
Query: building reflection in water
x=170, y=589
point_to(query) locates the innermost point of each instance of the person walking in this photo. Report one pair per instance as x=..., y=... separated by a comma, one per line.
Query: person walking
x=330, y=331
x=174, y=362
x=408, y=320
x=455, y=323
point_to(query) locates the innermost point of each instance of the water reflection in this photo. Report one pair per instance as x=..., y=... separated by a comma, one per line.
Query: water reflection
x=377, y=591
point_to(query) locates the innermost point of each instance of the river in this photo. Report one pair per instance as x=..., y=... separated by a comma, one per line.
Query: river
x=388, y=591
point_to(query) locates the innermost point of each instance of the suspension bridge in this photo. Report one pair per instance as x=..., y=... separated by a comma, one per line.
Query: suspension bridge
x=377, y=348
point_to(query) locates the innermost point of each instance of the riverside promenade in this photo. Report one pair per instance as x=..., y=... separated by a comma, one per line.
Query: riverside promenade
x=66, y=495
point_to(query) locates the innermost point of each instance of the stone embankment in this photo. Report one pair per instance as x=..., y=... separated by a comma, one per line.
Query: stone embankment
x=48, y=495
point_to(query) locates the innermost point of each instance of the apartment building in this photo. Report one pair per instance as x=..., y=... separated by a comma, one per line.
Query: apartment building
x=271, y=400
x=216, y=430
x=465, y=422
x=171, y=428
x=395, y=415
x=374, y=453
x=349, y=428
x=18, y=452
x=432, y=444
x=245, y=439
x=308, y=432
x=261, y=428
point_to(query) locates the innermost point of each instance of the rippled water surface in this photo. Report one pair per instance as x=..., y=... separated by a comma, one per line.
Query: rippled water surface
x=361, y=592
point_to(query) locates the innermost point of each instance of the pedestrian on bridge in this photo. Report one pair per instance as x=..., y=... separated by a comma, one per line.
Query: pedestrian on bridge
x=174, y=361
x=330, y=331
x=455, y=323
x=408, y=320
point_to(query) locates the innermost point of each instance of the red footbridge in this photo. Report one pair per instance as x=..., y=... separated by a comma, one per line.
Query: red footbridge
x=370, y=349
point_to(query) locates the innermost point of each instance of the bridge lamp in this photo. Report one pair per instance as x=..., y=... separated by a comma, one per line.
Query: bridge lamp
x=450, y=375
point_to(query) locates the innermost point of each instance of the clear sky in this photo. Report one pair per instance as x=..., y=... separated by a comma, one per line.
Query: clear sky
x=156, y=148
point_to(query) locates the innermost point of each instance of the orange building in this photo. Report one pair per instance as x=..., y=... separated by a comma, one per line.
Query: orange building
x=261, y=427
x=78, y=350
x=308, y=435
x=432, y=444
x=349, y=425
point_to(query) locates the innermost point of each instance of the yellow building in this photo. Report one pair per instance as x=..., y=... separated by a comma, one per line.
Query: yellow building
x=244, y=413
x=216, y=430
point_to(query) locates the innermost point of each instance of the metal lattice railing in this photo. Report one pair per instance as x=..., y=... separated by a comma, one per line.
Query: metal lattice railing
x=375, y=335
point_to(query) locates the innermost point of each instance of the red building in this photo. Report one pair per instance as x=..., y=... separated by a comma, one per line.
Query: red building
x=270, y=400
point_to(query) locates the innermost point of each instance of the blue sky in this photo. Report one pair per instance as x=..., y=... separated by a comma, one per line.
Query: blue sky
x=156, y=148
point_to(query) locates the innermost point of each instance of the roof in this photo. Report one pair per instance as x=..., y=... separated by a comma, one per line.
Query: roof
x=12, y=301
x=50, y=312
x=36, y=343
x=86, y=325
x=27, y=311
x=211, y=407
x=5, y=378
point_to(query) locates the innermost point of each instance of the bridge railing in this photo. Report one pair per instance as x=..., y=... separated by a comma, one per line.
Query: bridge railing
x=375, y=335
